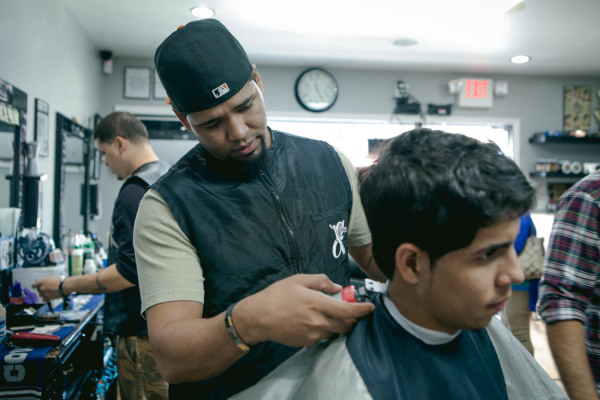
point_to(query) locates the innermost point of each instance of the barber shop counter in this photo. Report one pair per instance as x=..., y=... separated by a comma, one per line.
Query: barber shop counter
x=65, y=366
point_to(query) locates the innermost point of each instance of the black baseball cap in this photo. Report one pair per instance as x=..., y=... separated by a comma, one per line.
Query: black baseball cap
x=201, y=65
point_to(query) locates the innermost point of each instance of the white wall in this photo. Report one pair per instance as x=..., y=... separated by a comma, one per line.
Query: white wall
x=534, y=100
x=45, y=53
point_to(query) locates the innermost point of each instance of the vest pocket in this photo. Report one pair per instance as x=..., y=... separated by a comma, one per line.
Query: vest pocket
x=331, y=228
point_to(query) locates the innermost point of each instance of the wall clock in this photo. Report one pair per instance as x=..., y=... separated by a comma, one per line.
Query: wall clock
x=316, y=89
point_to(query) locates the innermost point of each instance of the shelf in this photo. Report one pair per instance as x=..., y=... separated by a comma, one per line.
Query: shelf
x=546, y=175
x=543, y=139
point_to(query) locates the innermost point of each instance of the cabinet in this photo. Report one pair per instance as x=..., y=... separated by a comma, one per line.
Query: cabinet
x=74, y=369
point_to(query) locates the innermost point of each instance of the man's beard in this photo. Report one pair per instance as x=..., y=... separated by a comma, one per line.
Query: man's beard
x=252, y=167
x=244, y=168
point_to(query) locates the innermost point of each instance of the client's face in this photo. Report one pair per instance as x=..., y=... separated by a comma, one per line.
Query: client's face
x=467, y=287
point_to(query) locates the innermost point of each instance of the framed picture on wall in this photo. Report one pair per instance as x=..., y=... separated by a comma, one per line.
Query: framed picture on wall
x=137, y=83
x=159, y=91
x=41, y=126
x=577, y=108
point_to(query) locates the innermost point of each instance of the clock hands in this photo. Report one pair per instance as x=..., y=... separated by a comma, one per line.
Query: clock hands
x=316, y=89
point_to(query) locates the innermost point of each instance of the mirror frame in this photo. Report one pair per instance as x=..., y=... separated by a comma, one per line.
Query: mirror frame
x=63, y=125
x=14, y=98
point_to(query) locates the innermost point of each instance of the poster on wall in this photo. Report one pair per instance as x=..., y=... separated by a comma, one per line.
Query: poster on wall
x=41, y=126
x=5, y=91
x=577, y=108
x=137, y=83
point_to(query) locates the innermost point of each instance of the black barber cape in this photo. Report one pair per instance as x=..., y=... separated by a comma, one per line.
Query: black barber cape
x=381, y=360
x=396, y=365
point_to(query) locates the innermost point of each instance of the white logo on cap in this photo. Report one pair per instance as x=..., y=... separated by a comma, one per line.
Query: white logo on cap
x=220, y=91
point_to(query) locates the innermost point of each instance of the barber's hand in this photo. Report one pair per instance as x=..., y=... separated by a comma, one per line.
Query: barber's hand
x=47, y=288
x=296, y=312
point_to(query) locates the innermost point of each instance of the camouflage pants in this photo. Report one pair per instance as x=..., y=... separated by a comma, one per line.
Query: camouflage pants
x=138, y=375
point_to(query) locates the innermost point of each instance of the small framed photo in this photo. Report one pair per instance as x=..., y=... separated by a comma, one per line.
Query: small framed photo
x=41, y=126
x=159, y=91
x=137, y=83
x=577, y=108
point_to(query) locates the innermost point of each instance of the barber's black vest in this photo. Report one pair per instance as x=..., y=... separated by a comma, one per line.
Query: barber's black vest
x=122, y=309
x=249, y=233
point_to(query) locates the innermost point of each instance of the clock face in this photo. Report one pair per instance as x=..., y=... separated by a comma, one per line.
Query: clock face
x=316, y=89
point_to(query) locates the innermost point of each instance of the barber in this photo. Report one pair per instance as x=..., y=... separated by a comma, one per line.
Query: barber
x=238, y=243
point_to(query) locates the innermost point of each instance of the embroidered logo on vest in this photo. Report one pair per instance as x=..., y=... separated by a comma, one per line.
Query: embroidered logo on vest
x=338, y=244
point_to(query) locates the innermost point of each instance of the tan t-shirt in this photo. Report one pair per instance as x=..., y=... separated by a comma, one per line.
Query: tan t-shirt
x=168, y=265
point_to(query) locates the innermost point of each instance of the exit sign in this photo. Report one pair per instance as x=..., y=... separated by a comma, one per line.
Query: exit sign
x=476, y=93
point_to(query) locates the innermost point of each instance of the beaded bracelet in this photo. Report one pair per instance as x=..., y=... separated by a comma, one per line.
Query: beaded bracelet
x=231, y=330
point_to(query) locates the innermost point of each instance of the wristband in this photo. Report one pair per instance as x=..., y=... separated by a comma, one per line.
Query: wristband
x=100, y=287
x=231, y=330
x=60, y=285
x=369, y=264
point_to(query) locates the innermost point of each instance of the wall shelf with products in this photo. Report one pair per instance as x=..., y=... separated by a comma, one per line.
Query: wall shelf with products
x=540, y=138
x=558, y=168
x=559, y=173
x=556, y=175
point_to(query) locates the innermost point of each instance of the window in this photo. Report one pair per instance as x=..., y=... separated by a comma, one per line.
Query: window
x=352, y=136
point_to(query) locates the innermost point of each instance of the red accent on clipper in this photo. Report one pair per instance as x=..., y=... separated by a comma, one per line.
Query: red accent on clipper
x=349, y=294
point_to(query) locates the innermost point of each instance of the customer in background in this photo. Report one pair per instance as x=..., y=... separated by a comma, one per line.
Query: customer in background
x=444, y=213
x=237, y=243
x=570, y=289
x=123, y=141
x=524, y=295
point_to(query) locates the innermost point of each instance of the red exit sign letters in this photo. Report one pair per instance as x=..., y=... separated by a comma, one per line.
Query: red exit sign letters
x=476, y=93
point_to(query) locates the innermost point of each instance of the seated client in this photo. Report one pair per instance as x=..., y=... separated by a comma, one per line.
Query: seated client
x=444, y=212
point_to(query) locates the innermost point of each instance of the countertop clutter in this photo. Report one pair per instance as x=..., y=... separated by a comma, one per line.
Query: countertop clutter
x=54, y=354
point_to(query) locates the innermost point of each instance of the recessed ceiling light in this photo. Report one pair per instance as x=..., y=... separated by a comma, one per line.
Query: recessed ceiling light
x=520, y=59
x=405, y=42
x=203, y=12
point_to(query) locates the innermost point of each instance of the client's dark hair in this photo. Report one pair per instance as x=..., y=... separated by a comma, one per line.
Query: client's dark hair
x=435, y=190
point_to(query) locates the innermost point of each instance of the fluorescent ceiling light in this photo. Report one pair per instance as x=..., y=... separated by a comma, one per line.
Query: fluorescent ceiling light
x=520, y=59
x=203, y=12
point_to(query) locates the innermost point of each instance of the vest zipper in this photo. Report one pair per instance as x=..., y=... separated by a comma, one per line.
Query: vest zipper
x=284, y=219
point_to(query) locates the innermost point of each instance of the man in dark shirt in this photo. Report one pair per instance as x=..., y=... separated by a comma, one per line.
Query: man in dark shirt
x=123, y=141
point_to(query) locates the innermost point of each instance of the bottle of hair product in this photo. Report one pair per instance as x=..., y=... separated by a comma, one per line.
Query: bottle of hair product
x=88, y=248
x=77, y=261
x=89, y=266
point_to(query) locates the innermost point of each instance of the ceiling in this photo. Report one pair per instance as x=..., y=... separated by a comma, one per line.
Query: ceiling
x=561, y=37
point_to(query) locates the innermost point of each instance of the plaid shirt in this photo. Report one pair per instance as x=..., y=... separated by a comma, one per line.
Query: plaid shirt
x=570, y=288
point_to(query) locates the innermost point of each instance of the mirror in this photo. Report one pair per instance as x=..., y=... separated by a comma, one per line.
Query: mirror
x=7, y=135
x=71, y=178
x=13, y=130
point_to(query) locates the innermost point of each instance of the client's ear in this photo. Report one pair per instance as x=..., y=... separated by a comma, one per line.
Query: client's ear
x=409, y=263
